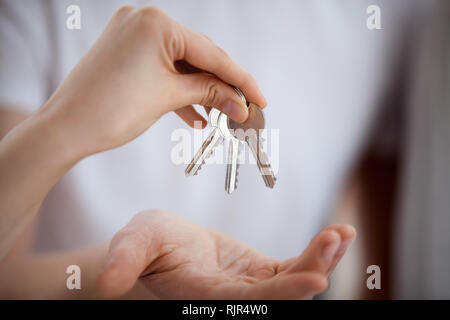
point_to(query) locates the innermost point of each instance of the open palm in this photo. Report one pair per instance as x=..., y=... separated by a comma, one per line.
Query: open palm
x=176, y=259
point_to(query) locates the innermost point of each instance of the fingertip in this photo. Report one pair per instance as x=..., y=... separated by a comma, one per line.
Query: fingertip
x=252, y=91
x=259, y=99
x=345, y=230
x=347, y=234
x=348, y=231
x=263, y=101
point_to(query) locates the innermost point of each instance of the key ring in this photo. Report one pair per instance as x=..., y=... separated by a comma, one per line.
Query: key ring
x=239, y=92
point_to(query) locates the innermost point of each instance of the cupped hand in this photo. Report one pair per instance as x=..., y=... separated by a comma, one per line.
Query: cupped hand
x=176, y=259
x=144, y=65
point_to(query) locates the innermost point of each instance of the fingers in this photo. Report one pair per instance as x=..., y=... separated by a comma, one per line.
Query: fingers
x=348, y=234
x=319, y=255
x=324, y=251
x=185, y=68
x=207, y=90
x=289, y=286
x=188, y=113
x=131, y=250
x=191, y=116
x=202, y=53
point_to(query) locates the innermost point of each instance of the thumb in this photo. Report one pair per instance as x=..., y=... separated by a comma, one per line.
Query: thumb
x=207, y=90
x=130, y=252
x=302, y=285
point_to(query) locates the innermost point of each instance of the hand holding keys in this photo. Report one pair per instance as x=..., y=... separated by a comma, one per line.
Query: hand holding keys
x=224, y=128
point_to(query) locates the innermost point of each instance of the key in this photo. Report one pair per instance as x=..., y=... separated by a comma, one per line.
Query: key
x=232, y=156
x=224, y=128
x=232, y=150
x=208, y=145
x=248, y=132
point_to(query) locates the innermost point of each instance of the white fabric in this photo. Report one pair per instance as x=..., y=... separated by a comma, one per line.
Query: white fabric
x=322, y=71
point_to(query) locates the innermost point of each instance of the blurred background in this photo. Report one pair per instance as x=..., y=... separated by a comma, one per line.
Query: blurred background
x=363, y=115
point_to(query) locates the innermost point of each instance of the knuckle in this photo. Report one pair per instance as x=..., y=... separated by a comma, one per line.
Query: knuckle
x=126, y=232
x=134, y=235
x=118, y=237
x=123, y=11
x=175, y=45
x=210, y=93
x=151, y=12
x=149, y=18
x=147, y=214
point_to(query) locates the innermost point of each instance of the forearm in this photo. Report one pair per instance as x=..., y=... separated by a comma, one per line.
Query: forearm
x=33, y=157
x=44, y=276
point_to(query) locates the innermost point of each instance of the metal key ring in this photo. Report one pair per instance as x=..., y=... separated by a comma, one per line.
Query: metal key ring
x=239, y=92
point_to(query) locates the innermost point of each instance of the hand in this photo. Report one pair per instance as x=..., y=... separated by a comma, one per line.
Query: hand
x=176, y=259
x=137, y=71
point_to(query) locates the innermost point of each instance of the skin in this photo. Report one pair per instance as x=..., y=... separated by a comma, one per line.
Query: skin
x=111, y=97
x=160, y=255
x=176, y=259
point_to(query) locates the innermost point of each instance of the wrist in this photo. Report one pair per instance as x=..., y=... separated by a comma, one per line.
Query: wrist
x=54, y=139
x=66, y=141
x=33, y=156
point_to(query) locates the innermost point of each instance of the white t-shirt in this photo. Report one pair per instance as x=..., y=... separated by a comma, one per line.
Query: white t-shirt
x=324, y=75
x=318, y=66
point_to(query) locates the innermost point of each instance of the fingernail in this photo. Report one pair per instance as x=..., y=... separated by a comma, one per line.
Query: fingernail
x=330, y=251
x=238, y=112
x=344, y=246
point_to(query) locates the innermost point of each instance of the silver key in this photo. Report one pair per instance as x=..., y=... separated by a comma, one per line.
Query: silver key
x=233, y=154
x=208, y=145
x=232, y=165
x=232, y=150
x=248, y=131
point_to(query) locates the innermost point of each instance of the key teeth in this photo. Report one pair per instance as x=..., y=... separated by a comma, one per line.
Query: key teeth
x=203, y=162
x=212, y=138
x=199, y=168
